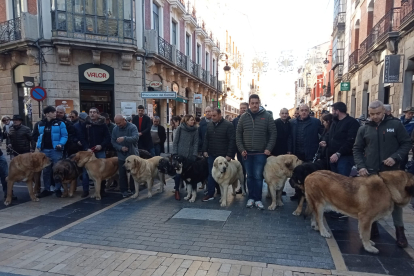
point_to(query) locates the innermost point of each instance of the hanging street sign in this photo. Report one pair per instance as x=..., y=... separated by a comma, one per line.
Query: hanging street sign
x=392, y=69
x=159, y=95
x=345, y=86
x=38, y=93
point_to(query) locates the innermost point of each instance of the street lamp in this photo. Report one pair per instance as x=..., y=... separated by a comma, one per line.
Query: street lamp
x=226, y=69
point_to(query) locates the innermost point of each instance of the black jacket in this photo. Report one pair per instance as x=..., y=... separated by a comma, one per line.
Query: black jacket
x=145, y=140
x=282, y=140
x=341, y=136
x=220, y=139
x=163, y=137
x=95, y=133
x=202, y=129
x=312, y=131
x=20, y=138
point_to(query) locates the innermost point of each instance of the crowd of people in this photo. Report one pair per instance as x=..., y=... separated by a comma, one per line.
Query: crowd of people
x=377, y=143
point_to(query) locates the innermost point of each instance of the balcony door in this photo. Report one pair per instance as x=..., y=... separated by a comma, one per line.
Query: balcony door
x=17, y=8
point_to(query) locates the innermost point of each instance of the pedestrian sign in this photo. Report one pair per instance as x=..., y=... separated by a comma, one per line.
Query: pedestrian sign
x=38, y=93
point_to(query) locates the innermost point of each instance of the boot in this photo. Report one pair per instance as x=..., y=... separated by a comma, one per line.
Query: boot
x=177, y=195
x=401, y=239
x=374, y=230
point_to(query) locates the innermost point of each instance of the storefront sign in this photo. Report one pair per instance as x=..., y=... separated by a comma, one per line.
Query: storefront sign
x=128, y=108
x=28, y=81
x=392, y=69
x=68, y=104
x=198, y=98
x=345, y=86
x=155, y=84
x=175, y=87
x=159, y=95
x=96, y=74
x=150, y=109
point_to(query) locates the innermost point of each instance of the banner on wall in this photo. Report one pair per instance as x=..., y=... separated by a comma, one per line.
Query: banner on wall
x=68, y=104
x=128, y=108
x=198, y=98
x=150, y=110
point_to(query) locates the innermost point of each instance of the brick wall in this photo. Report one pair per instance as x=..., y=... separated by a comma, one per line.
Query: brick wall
x=363, y=23
x=167, y=22
x=32, y=6
x=3, y=16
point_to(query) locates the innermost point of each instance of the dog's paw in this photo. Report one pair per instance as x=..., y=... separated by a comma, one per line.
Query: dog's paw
x=92, y=196
x=134, y=195
x=372, y=243
x=223, y=204
x=98, y=198
x=325, y=233
x=187, y=197
x=70, y=195
x=64, y=195
x=35, y=199
x=314, y=226
x=149, y=195
x=7, y=203
x=296, y=213
x=272, y=207
x=191, y=199
x=371, y=249
x=243, y=194
x=279, y=203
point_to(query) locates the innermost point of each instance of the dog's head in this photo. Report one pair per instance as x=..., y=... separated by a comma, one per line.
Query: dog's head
x=299, y=174
x=60, y=171
x=179, y=162
x=34, y=162
x=221, y=164
x=82, y=157
x=291, y=161
x=400, y=185
x=133, y=164
x=164, y=166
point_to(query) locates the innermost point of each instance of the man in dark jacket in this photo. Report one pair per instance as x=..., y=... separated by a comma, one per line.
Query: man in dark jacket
x=304, y=135
x=381, y=145
x=283, y=132
x=255, y=139
x=4, y=172
x=71, y=146
x=243, y=108
x=202, y=128
x=158, y=136
x=95, y=137
x=20, y=136
x=218, y=141
x=143, y=124
x=340, y=140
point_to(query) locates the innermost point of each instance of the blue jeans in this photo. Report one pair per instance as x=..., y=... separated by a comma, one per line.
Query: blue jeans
x=85, y=176
x=343, y=166
x=54, y=156
x=177, y=181
x=254, y=166
x=240, y=159
x=211, y=184
x=157, y=150
x=4, y=172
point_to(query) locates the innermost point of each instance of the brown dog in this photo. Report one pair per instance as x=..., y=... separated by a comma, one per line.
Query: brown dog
x=144, y=171
x=66, y=172
x=98, y=169
x=22, y=168
x=367, y=199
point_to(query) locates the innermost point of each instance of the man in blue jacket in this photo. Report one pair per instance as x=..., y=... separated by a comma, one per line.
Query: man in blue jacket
x=52, y=137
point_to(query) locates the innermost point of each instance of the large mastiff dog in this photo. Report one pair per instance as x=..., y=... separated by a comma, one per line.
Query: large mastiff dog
x=144, y=171
x=23, y=168
x=225, y=174
x=365, y=198
x=276, y=171
x=98, y=169
x=66, y=171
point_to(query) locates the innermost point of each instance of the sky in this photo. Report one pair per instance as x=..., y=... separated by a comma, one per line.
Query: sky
x=265, y=28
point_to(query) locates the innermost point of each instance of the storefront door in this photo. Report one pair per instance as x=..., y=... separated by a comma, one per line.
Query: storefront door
x=95, y=98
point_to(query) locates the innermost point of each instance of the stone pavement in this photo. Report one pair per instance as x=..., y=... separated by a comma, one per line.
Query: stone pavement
x=160, y=236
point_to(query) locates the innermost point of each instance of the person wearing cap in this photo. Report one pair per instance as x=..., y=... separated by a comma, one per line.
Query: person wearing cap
x=20, y=137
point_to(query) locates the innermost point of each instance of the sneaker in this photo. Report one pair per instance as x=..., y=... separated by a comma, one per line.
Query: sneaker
x=58, y=193
x=45, y=193
x=259, y=205
x=208, y=198
x=250, y=203
x=85, y=194
x=125, y=194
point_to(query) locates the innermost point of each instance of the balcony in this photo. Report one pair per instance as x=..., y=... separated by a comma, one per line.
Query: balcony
x=18, y=31
x=387, y=27
x=181, y=60
x=338, y=72
x=407, y=14
x=164, y=49
x=339, y=23
x=194, y=68
x=337, y=57
x=353, y=61
x=204, y=75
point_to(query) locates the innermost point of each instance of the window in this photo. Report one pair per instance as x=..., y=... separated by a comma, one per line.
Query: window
x=59, y=14
x=198, y=53
x=17, y=8
x=187, y=45
x=207, y=60
x=214, y=67
x=155, y=18
x=174, y=33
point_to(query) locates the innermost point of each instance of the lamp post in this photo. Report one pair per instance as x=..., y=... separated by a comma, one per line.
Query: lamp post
x=226, y=68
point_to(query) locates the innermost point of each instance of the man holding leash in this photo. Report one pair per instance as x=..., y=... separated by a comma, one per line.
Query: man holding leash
x=255, y=139
x=381, y=145
x=218, y=141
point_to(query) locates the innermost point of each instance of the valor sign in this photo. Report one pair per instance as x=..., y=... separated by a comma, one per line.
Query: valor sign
x=96, y=74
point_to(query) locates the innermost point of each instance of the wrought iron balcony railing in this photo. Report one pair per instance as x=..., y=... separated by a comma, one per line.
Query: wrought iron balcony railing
x=211, y=80
x=389, y=23
x=10, y=30
x=338, y=72
x=338, y=57
x=164, y=48
x=194, y=68
x=204, y=75
x=407, y=10
x=181, y=60
x=363, y=48
x=353, y=60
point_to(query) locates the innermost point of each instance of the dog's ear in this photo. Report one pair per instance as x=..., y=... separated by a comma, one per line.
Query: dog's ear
x=289, y=163
x=215, y=164
x=410, y=190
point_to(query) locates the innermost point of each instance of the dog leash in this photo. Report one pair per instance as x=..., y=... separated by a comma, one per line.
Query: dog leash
x=316, y=155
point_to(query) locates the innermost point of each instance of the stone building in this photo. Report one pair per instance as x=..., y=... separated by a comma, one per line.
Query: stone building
x=103, y=54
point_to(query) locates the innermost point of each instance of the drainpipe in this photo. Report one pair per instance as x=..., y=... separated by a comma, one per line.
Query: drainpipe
x=144, y=74
x=39, y=49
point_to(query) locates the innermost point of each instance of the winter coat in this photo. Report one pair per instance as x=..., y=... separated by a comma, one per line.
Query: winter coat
x=111, y=127
x=145, y=140
x=256, y=132
x=375, y=143
x=20, y=138
x=220, y=139
x=409, y=125
x=163, y=136
x=95, y=133
x=282, y=140
x=341, y=136
x=186, y=141
x=130, y=132
x=235, y=122
x=58, y=133
x=312, y=129
x=202, y=129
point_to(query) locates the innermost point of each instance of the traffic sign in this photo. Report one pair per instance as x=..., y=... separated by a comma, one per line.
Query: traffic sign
x=159, y=95
x=38, y=93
